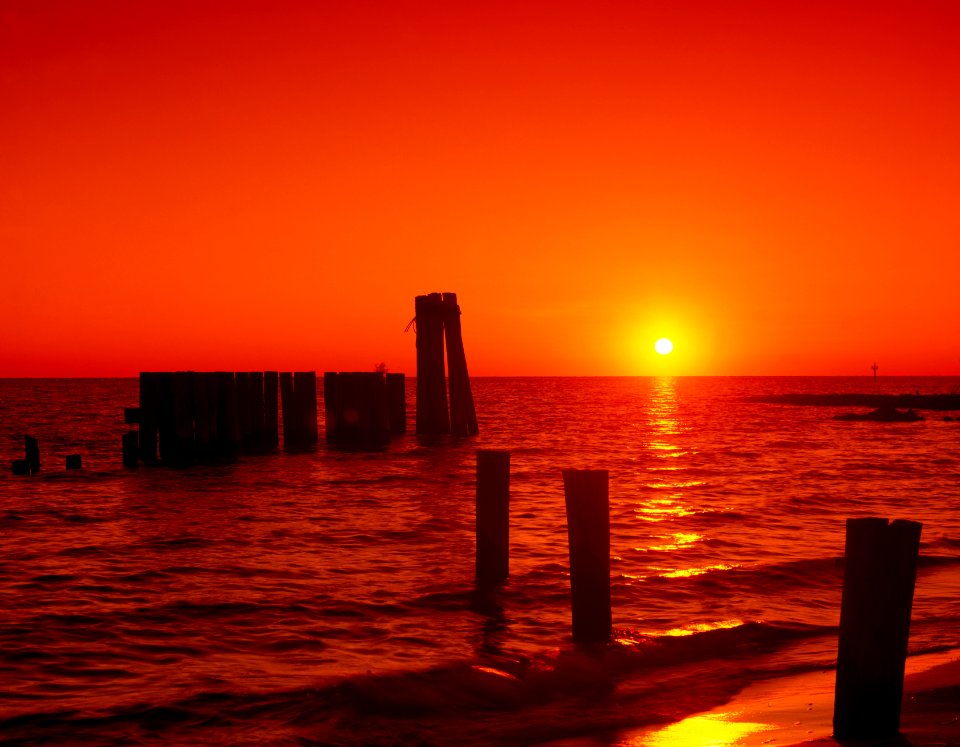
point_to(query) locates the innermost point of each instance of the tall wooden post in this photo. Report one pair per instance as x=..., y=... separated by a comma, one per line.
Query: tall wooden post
x=493, y=516
x=463, y=415
x=432, y=417
x=588, y=526
x=878, y=582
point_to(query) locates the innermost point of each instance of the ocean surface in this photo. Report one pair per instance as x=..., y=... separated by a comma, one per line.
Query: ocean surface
x=328, y=598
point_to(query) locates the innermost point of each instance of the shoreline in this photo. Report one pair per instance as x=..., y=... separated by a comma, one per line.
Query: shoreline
x=798, y=711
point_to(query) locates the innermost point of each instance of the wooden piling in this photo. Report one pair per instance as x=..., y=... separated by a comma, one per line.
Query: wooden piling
x=183, y=416
x=131, y=415
x=244, y=410
x=271, y=435
x=74, y=461
x=397, y=403
x=588, y=526
x=131, y=451
x=359, y=416
x=305, y=391
x=288, y=410
x=432, y=416
x=166, y=418
x=330, y=405
x=257, y=415
x=201, y=416
x=32, y=448
x=463, y=415
x=228, y=422
x=493, y=516
x=878, y=583
x=149, y=407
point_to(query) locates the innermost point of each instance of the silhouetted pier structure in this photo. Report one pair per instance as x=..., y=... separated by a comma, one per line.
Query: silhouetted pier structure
x=186, y=417
x=364, y=410
x=438, y=321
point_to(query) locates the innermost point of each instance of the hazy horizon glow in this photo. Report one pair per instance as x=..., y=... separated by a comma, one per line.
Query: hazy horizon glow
x=250, y=185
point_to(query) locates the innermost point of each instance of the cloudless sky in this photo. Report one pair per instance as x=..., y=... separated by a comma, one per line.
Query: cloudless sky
x=267, y=185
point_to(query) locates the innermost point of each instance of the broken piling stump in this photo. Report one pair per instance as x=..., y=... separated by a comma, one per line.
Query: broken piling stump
x=74, y=461
x=32, y=448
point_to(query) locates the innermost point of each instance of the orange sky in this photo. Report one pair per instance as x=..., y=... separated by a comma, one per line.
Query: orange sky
x=251, y=185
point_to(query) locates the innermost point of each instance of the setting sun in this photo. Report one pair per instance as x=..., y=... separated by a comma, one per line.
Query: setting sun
x=663, y=346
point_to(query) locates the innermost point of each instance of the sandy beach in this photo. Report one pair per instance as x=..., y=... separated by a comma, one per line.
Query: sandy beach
x=799, y=710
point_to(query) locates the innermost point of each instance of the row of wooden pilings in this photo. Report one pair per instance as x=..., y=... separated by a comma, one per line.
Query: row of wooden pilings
x=189, y=416
x=186, y=417
x=880, y=570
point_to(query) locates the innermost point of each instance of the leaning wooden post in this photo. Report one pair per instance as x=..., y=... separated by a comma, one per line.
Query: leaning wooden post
x=493, y=516
x=463, y=415
x=878, y=581
x=432, y=416
x=588, y=526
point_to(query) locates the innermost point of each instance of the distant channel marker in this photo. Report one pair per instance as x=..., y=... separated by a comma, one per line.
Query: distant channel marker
x=663, y=346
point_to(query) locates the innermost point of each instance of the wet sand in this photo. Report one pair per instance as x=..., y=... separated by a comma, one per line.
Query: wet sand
x=799, y=711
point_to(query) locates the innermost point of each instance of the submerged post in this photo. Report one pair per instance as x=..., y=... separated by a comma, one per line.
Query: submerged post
x=74, y=461
x=588, y=526
x=493, y=516
x=878, y=582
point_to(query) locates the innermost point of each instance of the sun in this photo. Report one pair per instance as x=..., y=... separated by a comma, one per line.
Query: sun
x=663, y=346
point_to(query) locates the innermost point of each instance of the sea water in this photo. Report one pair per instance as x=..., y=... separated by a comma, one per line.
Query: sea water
x=329, y=597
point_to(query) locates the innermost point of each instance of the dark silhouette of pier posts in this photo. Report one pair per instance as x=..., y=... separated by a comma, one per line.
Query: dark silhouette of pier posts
x=588, y=525
x=257, y=413
x=493, y=516
x=878, y=582
x=356, y=409
x=463, y=415
x=432, y=418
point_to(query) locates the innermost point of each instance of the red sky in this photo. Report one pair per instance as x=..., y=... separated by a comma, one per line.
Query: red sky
x=267, y=185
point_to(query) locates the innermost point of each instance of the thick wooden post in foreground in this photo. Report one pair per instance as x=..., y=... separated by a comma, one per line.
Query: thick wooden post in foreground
x=432, y=417
x=493, y=516
x=588, y=526
x=463, y=415
x=878, y=582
